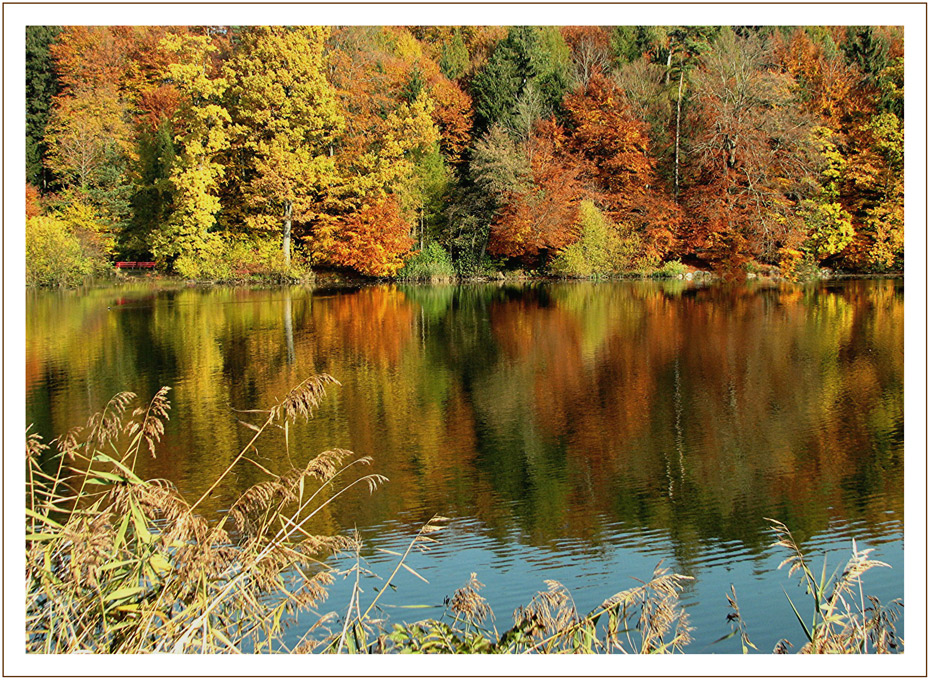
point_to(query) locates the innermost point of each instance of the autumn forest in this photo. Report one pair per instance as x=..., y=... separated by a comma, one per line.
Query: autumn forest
x=240, y=152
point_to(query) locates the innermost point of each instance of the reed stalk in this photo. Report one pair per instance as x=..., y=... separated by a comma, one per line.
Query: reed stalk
x=118, y=564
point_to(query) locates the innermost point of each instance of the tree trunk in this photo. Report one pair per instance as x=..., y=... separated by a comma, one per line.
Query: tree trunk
x=286, y=241
x=668, y=62
x=681, y=81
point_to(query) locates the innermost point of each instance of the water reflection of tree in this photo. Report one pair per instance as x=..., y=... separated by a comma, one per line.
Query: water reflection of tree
x=554, y=410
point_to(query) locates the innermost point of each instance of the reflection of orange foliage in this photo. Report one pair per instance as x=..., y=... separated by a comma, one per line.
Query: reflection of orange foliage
x=376, y=323
x=694, y=412
x=680, y=391
x=35, y=365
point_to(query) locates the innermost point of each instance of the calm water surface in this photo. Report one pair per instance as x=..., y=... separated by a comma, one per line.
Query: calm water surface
x=580, y=432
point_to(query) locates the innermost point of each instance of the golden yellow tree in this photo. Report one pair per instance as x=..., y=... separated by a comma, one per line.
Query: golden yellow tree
x=287, y=119
x=197, y=171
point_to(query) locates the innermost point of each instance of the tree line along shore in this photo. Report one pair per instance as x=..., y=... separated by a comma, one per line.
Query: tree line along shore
x=263, y=152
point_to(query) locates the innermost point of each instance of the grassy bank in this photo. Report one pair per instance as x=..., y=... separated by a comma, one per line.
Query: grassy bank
x=117, y=564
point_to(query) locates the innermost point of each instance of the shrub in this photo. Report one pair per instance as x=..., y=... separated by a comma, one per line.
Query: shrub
x=242, y=258
x=432, y=263
x=670, y=270
x=95, y=238
x=469, y=265
x=53, y=254
x=603, y=248
x=66, y=248
x=795, y=265
x=197, y=267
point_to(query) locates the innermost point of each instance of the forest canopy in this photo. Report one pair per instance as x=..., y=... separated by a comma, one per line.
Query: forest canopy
x=226, y=152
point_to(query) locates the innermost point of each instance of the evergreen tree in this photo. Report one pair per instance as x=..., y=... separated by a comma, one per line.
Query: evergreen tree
x=528, y=58
x=867, y=50
x=41, y=87
x=154, y=192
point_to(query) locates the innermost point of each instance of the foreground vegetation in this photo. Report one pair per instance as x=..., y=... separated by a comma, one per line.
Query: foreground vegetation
x=119, y=564
x=229, y=152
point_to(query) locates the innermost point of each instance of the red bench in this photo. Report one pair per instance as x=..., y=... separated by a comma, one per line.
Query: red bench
x=135, y=265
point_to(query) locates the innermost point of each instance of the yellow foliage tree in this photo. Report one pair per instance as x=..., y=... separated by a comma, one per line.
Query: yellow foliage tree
x=197, y=171
x=287, y=119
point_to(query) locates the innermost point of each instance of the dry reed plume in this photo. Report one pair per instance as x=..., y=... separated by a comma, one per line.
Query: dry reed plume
x=840, y=623
x=118, y=564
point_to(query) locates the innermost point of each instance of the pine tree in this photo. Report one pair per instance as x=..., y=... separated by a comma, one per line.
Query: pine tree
x=41, y=87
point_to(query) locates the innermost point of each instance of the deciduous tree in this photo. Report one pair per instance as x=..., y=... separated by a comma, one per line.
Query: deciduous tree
x=287, y=118
x=751, y=157
x=196, y=171
x=615, y=144
x=373, y=240
x=537, y=221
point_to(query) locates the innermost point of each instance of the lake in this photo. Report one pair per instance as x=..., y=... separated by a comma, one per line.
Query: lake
x=575, y=431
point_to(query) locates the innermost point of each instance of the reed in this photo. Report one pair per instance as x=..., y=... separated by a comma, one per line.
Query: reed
x=118, y=564
x=839, y=620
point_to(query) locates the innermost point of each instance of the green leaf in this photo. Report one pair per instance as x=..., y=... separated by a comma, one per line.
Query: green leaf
x=160, y=564
x=123, y=593
x=130, y=475
x=800, y=620
x=44, y=520
x=100, y=474
x=121, y=534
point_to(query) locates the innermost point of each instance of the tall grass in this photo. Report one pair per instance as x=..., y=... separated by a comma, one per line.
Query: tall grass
x=118, y=564
x=839, y=621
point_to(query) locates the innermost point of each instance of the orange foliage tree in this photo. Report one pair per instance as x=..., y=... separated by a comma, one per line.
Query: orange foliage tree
x=33, y=209
x=373, y=240
x=540, y=219
x=615, y=145
x=831, y=86
x=751, y=158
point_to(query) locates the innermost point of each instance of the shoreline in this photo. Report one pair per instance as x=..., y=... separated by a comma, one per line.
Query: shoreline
x=332, y=280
